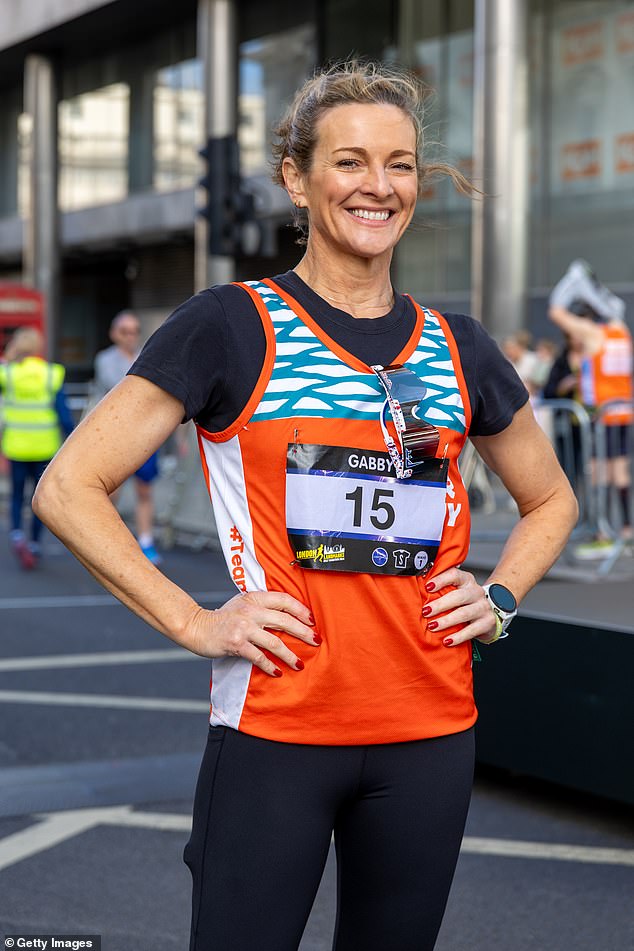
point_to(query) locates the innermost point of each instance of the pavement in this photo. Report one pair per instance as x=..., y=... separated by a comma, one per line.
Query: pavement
x=103, y=726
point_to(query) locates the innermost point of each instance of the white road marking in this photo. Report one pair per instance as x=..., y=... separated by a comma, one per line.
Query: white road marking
x=53, y=828
x=92, y=600
x=103, y=700
x=96, y=659
x=513, y=848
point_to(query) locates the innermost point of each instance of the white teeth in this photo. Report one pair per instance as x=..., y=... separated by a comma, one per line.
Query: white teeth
x=370, y=215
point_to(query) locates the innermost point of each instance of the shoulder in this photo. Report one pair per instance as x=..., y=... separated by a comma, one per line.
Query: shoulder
x=495, y=390
x=212, y=307
x=471, y=338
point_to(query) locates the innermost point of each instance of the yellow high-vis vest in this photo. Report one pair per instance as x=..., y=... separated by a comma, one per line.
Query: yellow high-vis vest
x=31, y=430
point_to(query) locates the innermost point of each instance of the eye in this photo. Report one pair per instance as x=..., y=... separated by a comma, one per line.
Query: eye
x=403, y=167
x=347, y=163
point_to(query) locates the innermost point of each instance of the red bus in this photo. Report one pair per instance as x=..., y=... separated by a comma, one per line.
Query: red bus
x=20, y=306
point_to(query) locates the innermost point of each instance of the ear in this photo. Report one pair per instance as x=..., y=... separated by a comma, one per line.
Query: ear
x=294, y=182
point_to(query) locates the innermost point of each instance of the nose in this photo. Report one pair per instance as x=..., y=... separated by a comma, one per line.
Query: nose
x=377, y=181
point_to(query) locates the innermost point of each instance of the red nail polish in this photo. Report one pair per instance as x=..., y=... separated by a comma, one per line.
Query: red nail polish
x=432, y=625
x=299, y=665
x=426, y=610
x=317, y=639
x=448, y=641
x=277, y=672
x=311, y=620
x=430, y=586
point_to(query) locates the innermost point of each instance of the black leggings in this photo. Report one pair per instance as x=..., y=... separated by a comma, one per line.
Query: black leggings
x=264, y=813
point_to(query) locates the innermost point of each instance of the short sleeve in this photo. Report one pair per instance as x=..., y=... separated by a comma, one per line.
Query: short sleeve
x=208, y=354
x=495, y=390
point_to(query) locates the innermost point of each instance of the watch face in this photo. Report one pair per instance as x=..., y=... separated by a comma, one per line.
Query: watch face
x=502, y=598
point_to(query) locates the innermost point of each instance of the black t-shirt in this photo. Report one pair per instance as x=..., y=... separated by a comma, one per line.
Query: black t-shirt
x=209, y=353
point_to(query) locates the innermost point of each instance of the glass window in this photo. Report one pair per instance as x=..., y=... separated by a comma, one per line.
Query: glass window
x=583, y=135
x=436, y=41
x=271, y=69
x=93, y=147
x=178, y=125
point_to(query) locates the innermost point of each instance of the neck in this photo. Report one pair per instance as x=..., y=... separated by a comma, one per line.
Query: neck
x=361, y=287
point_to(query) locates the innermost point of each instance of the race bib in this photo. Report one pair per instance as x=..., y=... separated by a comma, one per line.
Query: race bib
x=346, y=510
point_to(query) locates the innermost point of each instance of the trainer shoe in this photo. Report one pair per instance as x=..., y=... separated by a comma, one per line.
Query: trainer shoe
x=23, y=553
x=592, y=551
x=151, y=553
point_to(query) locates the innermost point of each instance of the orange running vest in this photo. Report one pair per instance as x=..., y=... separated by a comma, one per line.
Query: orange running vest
x=607, y=376
x=380, y=675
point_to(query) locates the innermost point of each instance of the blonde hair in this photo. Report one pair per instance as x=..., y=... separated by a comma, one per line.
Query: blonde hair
x=349, y=83
x=25, y=342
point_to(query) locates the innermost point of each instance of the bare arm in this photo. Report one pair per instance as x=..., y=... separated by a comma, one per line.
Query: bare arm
x=72, y=498
x=580, y=329
x=523, y=458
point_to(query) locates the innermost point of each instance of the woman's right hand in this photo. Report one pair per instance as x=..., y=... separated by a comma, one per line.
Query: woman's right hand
x=245, y=626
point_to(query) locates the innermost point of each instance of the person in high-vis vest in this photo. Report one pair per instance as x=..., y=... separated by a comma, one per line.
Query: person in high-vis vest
x=593, y=318
x=35, y=419
x=331, y=411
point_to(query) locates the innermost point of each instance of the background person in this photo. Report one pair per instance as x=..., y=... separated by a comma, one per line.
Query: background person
x=341, y=673
x=35, y=419
x=592, y=317
x=111, y=365
x=562, y=383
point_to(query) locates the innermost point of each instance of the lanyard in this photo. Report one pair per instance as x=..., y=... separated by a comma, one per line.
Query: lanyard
x=418, y=440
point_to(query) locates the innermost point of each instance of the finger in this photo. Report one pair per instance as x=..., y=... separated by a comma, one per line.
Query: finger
x=279, y=621
x=259, y=659
x=455, y=598
x=481, y=627
x=466, y=614
x=280, y=601
x=276, y=646
x=452, y=577
x=468, y=591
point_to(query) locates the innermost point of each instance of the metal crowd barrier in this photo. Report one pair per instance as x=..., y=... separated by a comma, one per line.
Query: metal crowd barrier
x=581, y=447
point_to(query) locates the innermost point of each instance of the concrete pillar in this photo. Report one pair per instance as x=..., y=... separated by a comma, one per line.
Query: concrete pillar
x=500, y=219
x=217, y=42
x=41, y=259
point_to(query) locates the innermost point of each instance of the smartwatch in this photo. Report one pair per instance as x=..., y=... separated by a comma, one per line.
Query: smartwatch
x=503, y=605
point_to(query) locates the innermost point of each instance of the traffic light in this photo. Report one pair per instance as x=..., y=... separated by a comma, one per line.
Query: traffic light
x=229, y=208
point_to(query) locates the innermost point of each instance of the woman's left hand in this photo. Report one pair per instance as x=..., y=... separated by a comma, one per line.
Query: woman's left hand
x=463, y=605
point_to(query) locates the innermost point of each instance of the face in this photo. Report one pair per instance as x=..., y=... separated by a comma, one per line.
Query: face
x=125, y=333
x=362, y=186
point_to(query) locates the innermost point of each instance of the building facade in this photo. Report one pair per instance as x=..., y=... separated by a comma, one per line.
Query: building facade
x=127, y=91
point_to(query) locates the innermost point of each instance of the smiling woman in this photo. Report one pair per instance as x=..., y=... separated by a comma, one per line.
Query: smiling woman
x=331, y=413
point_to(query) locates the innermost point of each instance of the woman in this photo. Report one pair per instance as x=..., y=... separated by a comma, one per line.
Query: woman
x=35, y=419
x=341, y=674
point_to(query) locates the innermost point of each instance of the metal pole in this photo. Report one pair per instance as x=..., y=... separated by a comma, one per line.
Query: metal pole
x=41, y=257
x=218, y=50
x=500, y=218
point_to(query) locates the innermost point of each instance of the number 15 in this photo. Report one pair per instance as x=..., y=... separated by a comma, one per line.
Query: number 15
x=378, y=505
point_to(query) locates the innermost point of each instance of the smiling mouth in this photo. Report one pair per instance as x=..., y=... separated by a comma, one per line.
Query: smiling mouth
x=366, y=215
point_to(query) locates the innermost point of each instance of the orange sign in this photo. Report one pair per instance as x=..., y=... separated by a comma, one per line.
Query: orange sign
x=581, y=160
x=625, y=33
x=624, y=159
x=582, y=43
